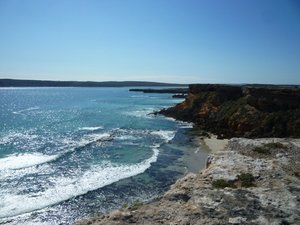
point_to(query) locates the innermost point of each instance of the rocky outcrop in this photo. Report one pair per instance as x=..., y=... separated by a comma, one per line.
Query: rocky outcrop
x=241, y=111
x=242, y=185
x=161, y=91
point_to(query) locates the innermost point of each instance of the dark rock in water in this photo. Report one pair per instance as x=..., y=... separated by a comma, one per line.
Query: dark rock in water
x=241, y=111
x=179, y=96
x=162, y=91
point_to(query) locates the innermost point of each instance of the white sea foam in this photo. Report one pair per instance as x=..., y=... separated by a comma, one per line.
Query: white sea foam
x=17, y=173
x=18, y=165
x=71, y=144
x=129, y=134
x=140, y=113
x=91, y=128
x=25, y=110
x=19, y=161
x=169, y=118
x=64, y=188
x=138, y=96
x=186, y=125
x=12, y=136
x=93, y=138
x=167, y=135
x=127, y=137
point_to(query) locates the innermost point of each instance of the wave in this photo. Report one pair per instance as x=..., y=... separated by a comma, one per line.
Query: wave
x=19, y=161
x=10, y=174
x=186, y=124
x=128, y=134
x=169, y=118
x=26, y=110
x=125, y=134
x=140, y=113
x=91, y=128
x=64, y=188
x=138, y=96
x=24, y=160
x=90, y=139
x=12, y=136
x=167, y=135
x=127, y=137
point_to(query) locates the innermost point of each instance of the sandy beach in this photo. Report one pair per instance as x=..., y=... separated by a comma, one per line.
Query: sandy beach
x=215, y=144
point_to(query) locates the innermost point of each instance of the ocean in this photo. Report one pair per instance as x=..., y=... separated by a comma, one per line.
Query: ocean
x=69, y=153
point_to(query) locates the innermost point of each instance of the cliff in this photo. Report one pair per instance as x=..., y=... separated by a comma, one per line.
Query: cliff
x=249, y=182
x=241, y=111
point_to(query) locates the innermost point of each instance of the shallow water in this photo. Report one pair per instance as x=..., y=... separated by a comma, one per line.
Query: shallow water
x=68, y=153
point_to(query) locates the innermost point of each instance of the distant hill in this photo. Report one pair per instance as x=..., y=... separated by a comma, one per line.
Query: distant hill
x=48, y=83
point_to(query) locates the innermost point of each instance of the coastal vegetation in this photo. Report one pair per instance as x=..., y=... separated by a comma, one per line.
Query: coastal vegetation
x=245, y=180
x=221, y=183
x=266, y=148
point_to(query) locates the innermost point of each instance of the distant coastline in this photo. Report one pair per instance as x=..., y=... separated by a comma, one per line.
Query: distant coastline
x=51, y=83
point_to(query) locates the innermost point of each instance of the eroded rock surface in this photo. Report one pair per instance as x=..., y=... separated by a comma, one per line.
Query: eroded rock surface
x=272, y=197
x=241, y=111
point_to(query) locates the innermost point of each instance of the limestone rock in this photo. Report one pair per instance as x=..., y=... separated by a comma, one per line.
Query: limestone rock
x=274, y=199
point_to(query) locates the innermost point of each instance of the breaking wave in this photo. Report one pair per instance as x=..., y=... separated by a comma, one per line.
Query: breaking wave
x=64, y=188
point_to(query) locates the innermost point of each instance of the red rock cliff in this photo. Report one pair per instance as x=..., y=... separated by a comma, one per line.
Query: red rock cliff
x=241, y=110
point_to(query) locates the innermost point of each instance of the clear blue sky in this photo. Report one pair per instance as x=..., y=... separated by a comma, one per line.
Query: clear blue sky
x=213, y=41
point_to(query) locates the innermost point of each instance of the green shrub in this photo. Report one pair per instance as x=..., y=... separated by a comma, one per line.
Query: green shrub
x=125, y=206
x=262, y=150
x=221, y=183
x=266, y=148
x=136, y=205
x=274, y=145
x=246, y=179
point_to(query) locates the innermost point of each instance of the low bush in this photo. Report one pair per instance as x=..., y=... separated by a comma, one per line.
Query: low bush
x=246, y=179
x=262, y=150
x=266, y=148
x=221, y=183
x=135, y=205
x=274, y=145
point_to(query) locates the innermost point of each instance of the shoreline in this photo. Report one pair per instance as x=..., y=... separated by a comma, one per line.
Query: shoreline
x=239, y=186
x=246, y=181
x=215, y=144
x=196, y=159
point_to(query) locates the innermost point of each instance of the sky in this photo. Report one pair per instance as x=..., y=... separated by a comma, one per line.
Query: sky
x=179, y=41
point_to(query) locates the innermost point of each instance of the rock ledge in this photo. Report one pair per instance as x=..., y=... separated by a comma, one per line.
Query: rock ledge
x=271, y=197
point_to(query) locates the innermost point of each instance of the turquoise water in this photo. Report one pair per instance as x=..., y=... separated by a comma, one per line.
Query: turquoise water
x=67, y=153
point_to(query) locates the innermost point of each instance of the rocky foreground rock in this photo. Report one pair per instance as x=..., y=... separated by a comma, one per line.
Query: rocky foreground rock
x=251, y=181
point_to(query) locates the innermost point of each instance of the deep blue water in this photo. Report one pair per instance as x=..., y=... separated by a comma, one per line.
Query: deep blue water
x=68, y=153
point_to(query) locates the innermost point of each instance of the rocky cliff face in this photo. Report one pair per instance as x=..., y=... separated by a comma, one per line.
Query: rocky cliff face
x=241, y=111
